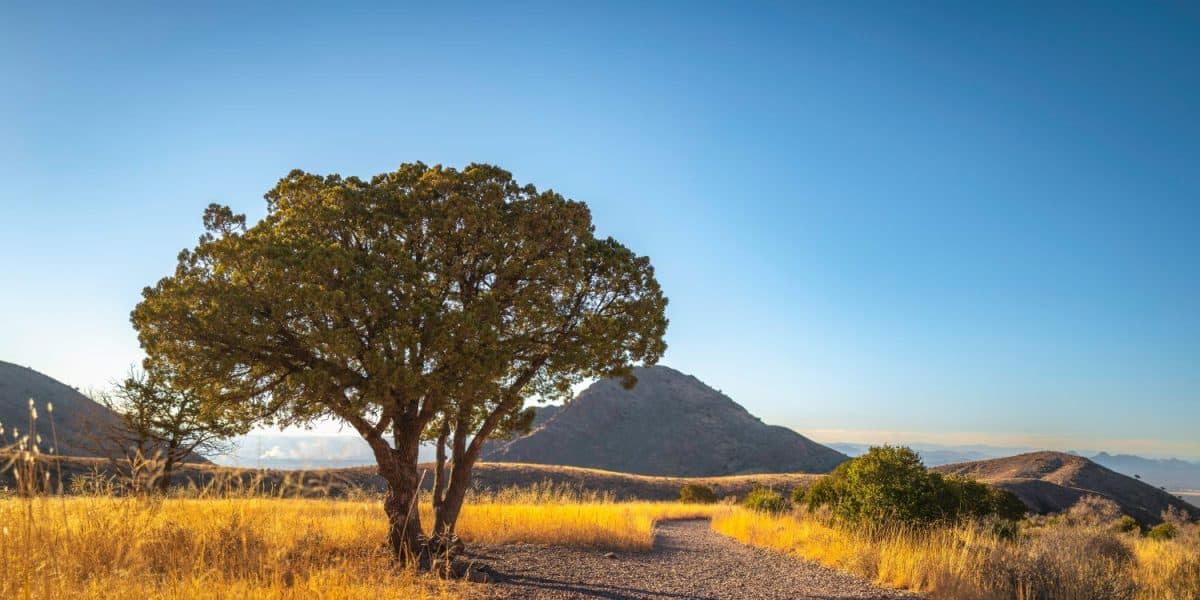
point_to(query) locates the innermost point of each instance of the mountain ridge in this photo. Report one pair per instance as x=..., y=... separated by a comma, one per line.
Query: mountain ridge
x=669, y=424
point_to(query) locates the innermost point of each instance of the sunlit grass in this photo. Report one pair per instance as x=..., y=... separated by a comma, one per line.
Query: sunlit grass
x=104, y=547
x=265, y=547
x=970, y=561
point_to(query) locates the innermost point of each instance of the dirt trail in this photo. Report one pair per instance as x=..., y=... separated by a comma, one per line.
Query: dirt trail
x=689, y=560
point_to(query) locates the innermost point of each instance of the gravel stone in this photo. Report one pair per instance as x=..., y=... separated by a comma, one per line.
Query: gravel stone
x=689, y=560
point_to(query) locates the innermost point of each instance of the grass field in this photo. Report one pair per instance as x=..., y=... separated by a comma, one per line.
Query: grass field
x=106, y=547
x=264, y=547
x=1050, y=560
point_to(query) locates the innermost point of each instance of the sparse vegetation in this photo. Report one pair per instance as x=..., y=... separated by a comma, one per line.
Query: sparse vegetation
x=1046, y=558
x=697, y=493
x=1094, y=510
x=160, y=427
x=765, y=499
x=1162, y=531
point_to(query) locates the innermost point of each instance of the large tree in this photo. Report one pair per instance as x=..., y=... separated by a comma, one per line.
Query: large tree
x=423, y=297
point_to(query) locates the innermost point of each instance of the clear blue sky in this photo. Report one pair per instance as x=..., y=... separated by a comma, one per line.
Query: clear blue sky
x=875, y=221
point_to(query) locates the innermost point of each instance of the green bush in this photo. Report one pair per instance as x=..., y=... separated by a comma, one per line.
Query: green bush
x=1128, y=524
x=799, y=494
x=694, y=492
x=766, y=500
x=890, y=484
x=1162, y=531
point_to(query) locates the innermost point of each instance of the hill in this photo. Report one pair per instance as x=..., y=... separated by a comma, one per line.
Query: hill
x=1053, y=481
x=669, y=424
x=78, y=420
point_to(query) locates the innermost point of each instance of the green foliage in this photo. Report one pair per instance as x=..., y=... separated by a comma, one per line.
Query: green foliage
x=799, y=494
x=891, y=484
x=694, y=492
x=765, y=499
x=1162, y=531
x=1127, y=524
x=967, y=498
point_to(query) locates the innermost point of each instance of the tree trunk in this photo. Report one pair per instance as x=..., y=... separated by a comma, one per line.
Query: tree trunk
x=439, y=472
x=450, y=505
x=168, y=466
x=456, y=492
x=398, y=467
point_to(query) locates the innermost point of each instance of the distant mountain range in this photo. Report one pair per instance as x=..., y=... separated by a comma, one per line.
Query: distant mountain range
x=668, y=424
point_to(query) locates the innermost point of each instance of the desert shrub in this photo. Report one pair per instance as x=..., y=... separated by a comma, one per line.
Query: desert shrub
x=891, y=484
x=1094, y=510
x=765, y=499
x=967, y=498
x=1128, y=524
x=1001, y=527
x=1176, y=516
x=799, y=494
x=694, y=492
x=1073, y=562
x=1162, y=531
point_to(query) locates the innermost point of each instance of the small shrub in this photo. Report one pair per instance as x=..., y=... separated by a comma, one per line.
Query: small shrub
x=1074, y=562
x=799, y=494
x=1162, y=531
x=696, y=493
x=1176, y=516
x=766, y=500
x=1094, y=510
x=1128, y=524
x=1002, y=528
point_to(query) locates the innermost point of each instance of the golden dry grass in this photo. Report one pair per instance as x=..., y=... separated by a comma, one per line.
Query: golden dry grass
x=100, y=547
x=255, y=547
x=969, y=561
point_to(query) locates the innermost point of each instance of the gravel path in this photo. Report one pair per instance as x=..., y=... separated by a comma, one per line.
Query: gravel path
x=689, y=560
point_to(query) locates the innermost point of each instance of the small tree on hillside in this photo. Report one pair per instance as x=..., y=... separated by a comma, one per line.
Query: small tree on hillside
x=416, y=305
x=161, y=426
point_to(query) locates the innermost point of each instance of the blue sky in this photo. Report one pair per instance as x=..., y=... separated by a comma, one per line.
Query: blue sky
x=942, y=222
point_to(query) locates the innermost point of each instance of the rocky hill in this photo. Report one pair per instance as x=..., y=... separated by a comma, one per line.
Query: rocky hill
x=669, y=424
x=1053, y=481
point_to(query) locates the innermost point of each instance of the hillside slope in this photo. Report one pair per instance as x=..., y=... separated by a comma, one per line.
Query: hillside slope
x=1053, y=481
x=670, y=424
x=79, y=422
